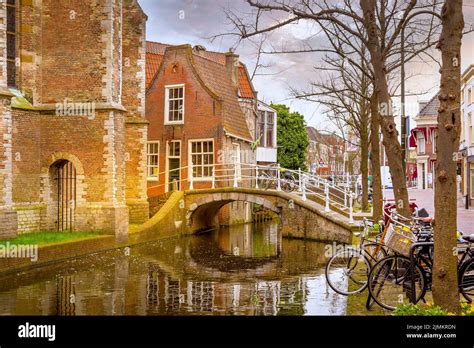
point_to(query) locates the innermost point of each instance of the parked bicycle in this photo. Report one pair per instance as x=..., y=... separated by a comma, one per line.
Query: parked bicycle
x=395, y=280
x=347, y=271
x=268, y=179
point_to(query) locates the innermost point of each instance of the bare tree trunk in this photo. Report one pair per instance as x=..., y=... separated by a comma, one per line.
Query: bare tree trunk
x=364, y=166
x=377, y=197
x=389, y=129
x=445, y=280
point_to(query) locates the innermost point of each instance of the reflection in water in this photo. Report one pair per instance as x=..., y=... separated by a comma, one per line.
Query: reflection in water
x=242, y=270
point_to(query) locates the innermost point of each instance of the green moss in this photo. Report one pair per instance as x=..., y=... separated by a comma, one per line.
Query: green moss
x=42, y=238
x=19, y=101
x=430, y=309
x=356, y=304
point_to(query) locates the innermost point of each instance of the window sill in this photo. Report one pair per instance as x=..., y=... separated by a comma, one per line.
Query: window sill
x=205, y=179
x=174, y=123
x=152, y=179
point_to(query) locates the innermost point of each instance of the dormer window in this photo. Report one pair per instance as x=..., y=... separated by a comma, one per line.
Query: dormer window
x=174, y=104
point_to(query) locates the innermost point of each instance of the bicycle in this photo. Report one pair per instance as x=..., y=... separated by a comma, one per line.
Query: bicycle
x=268, y=179
x=347, y=271
x=395, y=279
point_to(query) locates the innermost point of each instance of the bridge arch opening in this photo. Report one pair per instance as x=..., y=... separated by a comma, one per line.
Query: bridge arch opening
x=204, y=212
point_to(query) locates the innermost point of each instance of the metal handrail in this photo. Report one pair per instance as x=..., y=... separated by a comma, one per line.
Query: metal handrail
x=305, y=183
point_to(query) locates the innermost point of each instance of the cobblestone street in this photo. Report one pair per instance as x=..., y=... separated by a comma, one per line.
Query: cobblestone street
x=425, y=199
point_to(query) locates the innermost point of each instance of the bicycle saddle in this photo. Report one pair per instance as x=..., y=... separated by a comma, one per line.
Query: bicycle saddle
x=468, y=238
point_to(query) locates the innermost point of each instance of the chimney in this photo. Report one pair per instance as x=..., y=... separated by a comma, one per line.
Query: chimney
x=232, y=66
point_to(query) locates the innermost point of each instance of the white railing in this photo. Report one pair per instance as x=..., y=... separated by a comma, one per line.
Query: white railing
x=296, y=182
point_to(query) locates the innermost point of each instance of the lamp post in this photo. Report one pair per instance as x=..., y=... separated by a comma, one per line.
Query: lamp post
x=404, y=142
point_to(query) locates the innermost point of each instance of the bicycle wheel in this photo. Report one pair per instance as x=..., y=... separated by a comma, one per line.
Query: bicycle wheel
x=466, y=280
x=375, y=252
x=347, y=271
x=390, y=282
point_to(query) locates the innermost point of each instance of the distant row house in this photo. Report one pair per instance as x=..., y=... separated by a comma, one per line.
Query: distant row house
x=423, y=137
x=325, y=154
x=205, y=121
x=466, y=167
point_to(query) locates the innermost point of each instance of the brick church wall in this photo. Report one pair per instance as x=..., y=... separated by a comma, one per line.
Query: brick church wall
x=134, y=51
x=96, y=57
x=8, y=216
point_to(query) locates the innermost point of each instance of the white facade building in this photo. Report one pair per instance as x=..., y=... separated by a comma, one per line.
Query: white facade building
x=466, y=145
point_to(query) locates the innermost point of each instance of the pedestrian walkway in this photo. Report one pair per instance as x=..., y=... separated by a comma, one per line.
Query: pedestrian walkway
x=425, y=199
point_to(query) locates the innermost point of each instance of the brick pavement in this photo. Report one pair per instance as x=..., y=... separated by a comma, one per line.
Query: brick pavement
x=425, y=199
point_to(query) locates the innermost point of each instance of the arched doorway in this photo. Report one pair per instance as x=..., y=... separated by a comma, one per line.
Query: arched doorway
x=63, y=175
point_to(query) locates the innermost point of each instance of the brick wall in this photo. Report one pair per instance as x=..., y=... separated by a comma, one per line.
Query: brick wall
x=81, y=62
x=3, y=53
x=30, y=218
x=202, y=120
x=133, y=97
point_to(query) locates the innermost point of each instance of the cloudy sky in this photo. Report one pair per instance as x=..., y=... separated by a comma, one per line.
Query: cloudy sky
x=195, y=21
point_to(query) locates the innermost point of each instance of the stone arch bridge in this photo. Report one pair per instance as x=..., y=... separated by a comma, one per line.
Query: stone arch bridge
x=191, y=211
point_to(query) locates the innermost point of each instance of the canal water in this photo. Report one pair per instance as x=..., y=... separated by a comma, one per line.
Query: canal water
x=240, y=270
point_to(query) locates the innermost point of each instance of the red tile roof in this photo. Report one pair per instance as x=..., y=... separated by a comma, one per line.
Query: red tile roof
x=154, y=56
x=245, y=85
x=212, y=70
x=216, y=77
x=156, y=50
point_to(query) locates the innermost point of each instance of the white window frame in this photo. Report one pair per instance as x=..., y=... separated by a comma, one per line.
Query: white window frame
x=418, y=143
x=148, y=155
x=190, y=158
x=167, y=164
x=166, y=115
x=274, y=135
x=263, y=139
x=433, y=141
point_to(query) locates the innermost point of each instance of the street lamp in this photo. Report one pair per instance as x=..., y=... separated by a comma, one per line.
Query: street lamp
x=404, y=141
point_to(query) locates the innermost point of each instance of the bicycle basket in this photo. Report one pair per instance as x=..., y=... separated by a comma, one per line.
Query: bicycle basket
x=399, y=239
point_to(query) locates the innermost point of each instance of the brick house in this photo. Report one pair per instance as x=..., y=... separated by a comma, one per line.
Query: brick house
x=202, y=111
x=72, y=117
x=317, y=155
x=325, y=154
x=423, y=137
